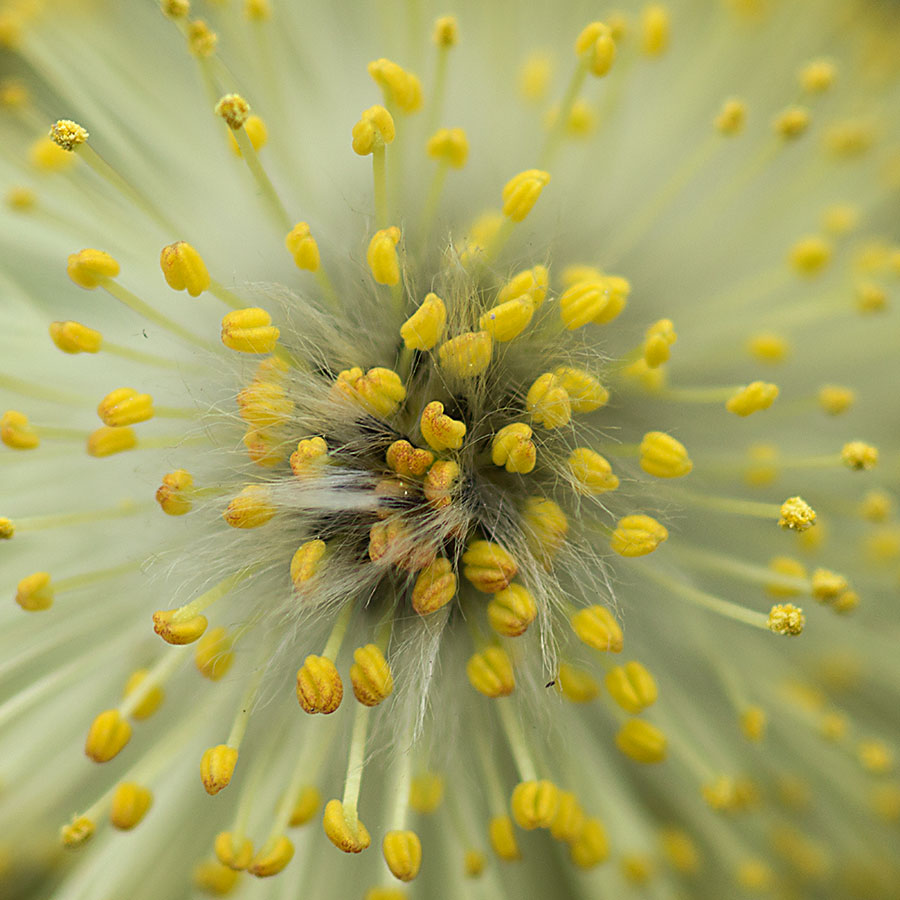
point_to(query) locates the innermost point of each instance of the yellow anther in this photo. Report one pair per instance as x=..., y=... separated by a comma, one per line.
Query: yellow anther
x=382, y=257
x=235, y=854
x=663, y=456
x=521, y=192
x=21, y=199
x=307, y=561
x=649, y=379
x=596, y=627
x=446, y=31
x=755, y=875
x=426, y=791
x=818, y=76
x=217, y=767
x=273, y=858
x=403, y=854
x=174, y=494
x=303, y=247
x=596, y=48
x=474, y=863
x=257, y=10
x=400, y=88
x=211, y=877
x=380, y=391
x=840, y=220
x=797, y=514
x=680, y=851
x=810, y=255
x=591, y=847
x=34, y=593
x=13, y=94
x=467, y=355
x=184, y=269
x=47, y=156
x=655, y=26
x=763, y=467
x=252, y=508
x=384, y=893
x=107, y=441
x=306, y=807
x=450, y=146
x=642, y=742
x=176, y=9
x=491, y=673
x=265, y=404
x=792, y=122
x=130, y=803
x=637, y=868
x=631, y=686
x=545, y=526
x=835, y=400
x=371, y=676
x=346, y=833
x=859, y=456
x=319, y=686
x=234, y=109
x=827, y=586
x=876, y=507
x=875, y=756
x=90, y=268
x=548, y=402
x=7, y=529
x=125, y=406
x=423, y=329
x=256, y=130
x=785, y=618
x=503, y=839
x=404, y=459
x=534, y=76
x=108, y=734
x=637, y=535
x=850, y=138
x=732, y=117
x=569, y=819
x=439, y=430
x=481, y=235
x=68, y=134
x=586, y=394
x=792, y=568
x=375, y=128
x=214, y=654
x=513, y=448
x=73, y=337
x=576, y=685
x=249, y=331
x=756, y=396
x=529, y=282
x=768, y=347
x=202, y=40
x=534, y=804
x=508, y=320
x=582, y=119
x=309, y=457
x=488, y=566
x=510, y=612
x=658, y=339
x=152, y=700
x=80, y=830
x=264, y=449
x=870, y=298
x=394, y=543
x=435, y=587
x=833, y=727
x=584, y=302
x=173, y=630
x=441, y=483
x=753, y=723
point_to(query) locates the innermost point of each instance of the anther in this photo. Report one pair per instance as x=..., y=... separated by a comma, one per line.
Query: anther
x=632, y=687
x=658, y=339
x=753, y=723
x=234, y=109
x=732, y=117
x=202, y=40
x=434, y=588
x=569, y=819
x=596, y=48
x=591, y=847
x=347, y=834
x=446, y=31
x=35, y=593
x=80, y=830
x=108, y=735
x=130, y=803
x=374, y=129
x=797, y=514
x=307, y=561
x=596, y=627
x=490, y=672
x=426, y=791
x=531, y=283
x=859, y=456
x=308, y=801
x=512, y=610
x=522, y=191
x=503, y=839
x=249, y=331
x=214, y=654
x=584, y=302
x=591, y=472
x=488, y=566
x=467, y=355
x=319, y=686
x=68, y=134
x=576, y=685
x=548, y=402
x=441, y=483
x=785, y=618
x=586, y=394
x=73, y=337
x=252, y=508
x=423, y=329
x=403, y=854
x=655, y=27
x=439, y=430
x=810, y=255
x=371, y=676
x=513, y=448
x=637, y=535
x=641, y=741
x=303, y=247
x=508, y=320
x=792, y=122
x=174, y=494
x=184, y=269
x=152, y=699
x=449, y=146
x=406, y=460
x=217, y=767
x=108, y=441
x=818, y=76
x=173, y=630
x=125, y=406
x=545, y=526
x=534, y=804
x=400, y=88
x=835, y=399
x=309, y=458
x=90, y=268
x=756, y=396
x=272, y=858
x=382, y=256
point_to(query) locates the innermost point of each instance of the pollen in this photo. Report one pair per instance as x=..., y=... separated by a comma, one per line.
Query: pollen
x=90, y=268
x=406, y=460
x=375, y=128
x=423, y=329
x=521, y=193
x=596, y=48
x=467, y=355
x=184, y=269
x=7, y=529
x=73, y=337
x=512, y=447
x=434, y=588
x=637, y=535
x=80, y=830
x=403, y=854
x=108, y=735
x=174, y=629
x=309, y=457
x=441, y=482
x=303, y=247
x=202, y=40
x=756, y=396
x=346, y=832
x=439, y=430
x=859, y=456
x=534, y=804
x=125, y=406
x=548, y=402
x=319, y=686
x=176, y=9
x=797, y=514
x=511, y=611
x=68, y=134
x=217, y=767
x=490, y=672
x=488, y=566
x=663, y=456
x=785, y=618
x=450, y=146
x=596, y=627
x=234, y=109
x=631, y=686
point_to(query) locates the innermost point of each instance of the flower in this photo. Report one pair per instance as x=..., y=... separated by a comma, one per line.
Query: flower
x=412, y=438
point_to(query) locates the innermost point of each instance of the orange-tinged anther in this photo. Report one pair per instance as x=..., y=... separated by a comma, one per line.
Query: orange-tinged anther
x=249, y=331
x=252, y=508
x=273, y=858
x=107, y=441
x=35, y=592
x=73, y=337
x=440, y=431
x=347, y=833
x=16, y=431
x=319, y=686
x=371, y=676
x=441, y=483
x=217, y=767
x=309, y=457
x=534, y=804
x=90, y=268
x=174, y=494
x=491, y=673
x=306, y=561
x=488, y=566
x=434, y=588
x=184, y=269
x=108, y=734
x=596, y=627
x=175, y=630
x=130, y=803
x=125, y=406
x=404, y=459
x=403, y=854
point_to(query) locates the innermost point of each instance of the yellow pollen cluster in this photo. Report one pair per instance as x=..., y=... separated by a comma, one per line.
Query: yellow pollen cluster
x=68, y=134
